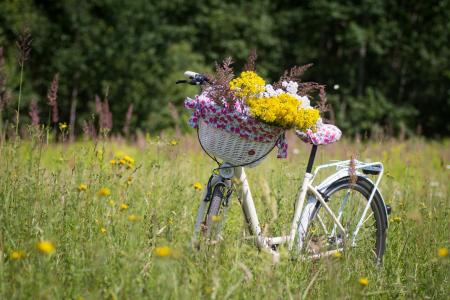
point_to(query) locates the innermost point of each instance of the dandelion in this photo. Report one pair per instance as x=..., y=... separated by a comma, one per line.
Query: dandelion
x=364, y=281
x=173, y=142
x=103, y=230
x=104, y=191
x=337, y=254
x=216, y=218
x=133, y=218
x=82, y=187
x=62, y=126
x=198, y=186
x=443, y=252
x=46, y=247
x=163, y=251
x=17, y=254
x=124, y=206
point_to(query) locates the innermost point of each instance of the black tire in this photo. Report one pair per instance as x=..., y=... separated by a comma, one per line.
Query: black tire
x=372, y=235
x=214, y=214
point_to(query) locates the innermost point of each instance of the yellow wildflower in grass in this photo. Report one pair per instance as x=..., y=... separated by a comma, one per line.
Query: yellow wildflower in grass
x=62, y=125
x=443, y=252
x=46, y=247
x=128, y=159
x=163, y=251
x=123, y=206
x=396, y=219
x=17, y=254
x=104, y=191
x=113, y=162
x=216, y=218
x=283, y=111
x=111, y=202
x=337, y=254
x=103, y=230
x=248, y=84
x=82, y=187
x=198, y=186
x=133, y=218
x=173, y=142
x=364, y=281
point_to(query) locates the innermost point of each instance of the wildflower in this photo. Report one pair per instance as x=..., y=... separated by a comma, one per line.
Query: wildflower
x=163, y=251
x=82, y=187
x=17, y=254
x=104, y=192
x=396, y=219
x=124, y=206
x=46, y=247
x=113, y=162
x=133, y=218
x=129, y=180
x=173, y=142
x=216, y=218
x=128, y=159
x=111, y=202
x=62, y=126
x=198, y=186
x=364, y=281
x=443, y=252
x=103, y=230
x=248, y=84
x=337, y=254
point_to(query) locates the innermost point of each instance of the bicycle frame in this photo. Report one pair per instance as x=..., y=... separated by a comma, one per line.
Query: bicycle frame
x=302, y=214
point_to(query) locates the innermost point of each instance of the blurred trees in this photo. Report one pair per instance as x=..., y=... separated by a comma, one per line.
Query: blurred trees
x=388, y=61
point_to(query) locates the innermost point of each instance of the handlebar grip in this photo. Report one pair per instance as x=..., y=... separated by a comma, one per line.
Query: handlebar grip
x=191, y=74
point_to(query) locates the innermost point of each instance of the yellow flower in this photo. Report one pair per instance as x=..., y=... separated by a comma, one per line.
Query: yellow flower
x=163, y=251
x=128, y=159
x=443, y=252
x=104, y=191
x=283, y=111
x=216, y=218
x=248, y=84
x=111, y=202
x=123, y=206
x=364, y=281
x=122, y=162
x=82, y=187
x=337, y=254
x=103, y=230
x=133, y=218
x=46, y=247
x=113, y=162
x=16, y=255
x=62, y=126
x=198, y=186
x=396, y=219
x=173, y=142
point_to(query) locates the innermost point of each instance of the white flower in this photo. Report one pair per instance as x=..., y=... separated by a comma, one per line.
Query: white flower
x=291, y=87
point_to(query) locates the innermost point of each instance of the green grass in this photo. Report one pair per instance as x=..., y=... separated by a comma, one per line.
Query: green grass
x=40, y=200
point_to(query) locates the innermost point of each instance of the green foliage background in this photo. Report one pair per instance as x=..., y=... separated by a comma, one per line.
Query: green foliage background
x=389, y=58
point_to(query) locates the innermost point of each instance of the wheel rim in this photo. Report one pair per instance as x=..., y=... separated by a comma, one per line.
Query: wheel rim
x=347, y=203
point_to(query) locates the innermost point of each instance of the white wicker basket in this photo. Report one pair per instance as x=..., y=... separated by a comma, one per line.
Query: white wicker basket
x=231, y=148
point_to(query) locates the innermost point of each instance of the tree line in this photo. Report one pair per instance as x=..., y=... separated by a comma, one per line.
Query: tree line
x=385, y=63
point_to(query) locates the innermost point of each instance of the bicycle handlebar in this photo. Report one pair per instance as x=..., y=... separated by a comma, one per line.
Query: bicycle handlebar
x=195, y=78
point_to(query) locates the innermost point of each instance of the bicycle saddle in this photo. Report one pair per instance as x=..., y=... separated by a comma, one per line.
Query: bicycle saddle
x=325, y=134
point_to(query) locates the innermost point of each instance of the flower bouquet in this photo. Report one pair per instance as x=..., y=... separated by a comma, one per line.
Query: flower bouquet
x=241, y=119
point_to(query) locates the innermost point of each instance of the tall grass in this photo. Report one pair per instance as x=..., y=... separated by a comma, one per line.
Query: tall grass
x=103, y=252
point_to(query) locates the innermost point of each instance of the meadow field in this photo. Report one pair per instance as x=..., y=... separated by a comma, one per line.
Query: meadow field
x=109, y=219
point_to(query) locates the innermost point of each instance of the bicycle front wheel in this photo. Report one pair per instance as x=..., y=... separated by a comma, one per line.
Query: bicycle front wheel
x=347, y=200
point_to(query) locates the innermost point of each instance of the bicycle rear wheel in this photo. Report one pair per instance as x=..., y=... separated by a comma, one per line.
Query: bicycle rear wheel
x=347, y=200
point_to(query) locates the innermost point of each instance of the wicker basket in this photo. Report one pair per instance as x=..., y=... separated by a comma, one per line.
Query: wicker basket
x=231, y=148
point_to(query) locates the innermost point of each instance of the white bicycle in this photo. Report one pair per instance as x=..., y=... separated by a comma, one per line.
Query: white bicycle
x=346, y=210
